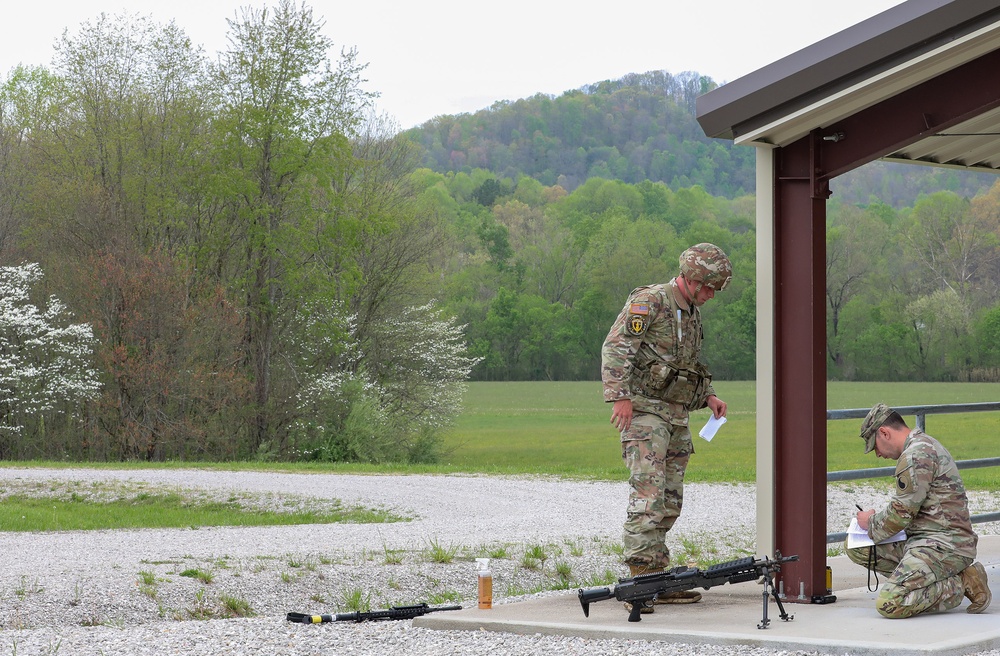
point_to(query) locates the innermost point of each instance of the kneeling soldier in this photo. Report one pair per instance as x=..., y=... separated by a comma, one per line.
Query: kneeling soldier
x=934, y=568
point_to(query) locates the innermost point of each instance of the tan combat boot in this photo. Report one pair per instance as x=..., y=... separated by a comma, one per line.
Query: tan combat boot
x=636, y=570
x=975, y=585
x=682, y=597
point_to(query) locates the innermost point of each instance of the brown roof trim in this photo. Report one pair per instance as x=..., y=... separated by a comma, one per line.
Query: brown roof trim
x=873, y=45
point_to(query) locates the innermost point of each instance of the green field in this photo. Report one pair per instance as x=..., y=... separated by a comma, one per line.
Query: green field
x=563, y=429
x=537, y=428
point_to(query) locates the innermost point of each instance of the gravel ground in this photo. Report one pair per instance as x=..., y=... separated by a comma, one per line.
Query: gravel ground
x=226, y=590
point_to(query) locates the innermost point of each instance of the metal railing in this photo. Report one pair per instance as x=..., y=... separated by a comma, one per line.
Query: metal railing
x=921, y=412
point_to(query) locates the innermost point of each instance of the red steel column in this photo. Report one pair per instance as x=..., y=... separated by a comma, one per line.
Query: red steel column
x=800, y=366
x=801, y=174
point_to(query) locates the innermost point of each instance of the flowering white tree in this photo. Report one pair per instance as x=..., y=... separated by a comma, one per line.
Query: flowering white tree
x=44, y=359
x=420, y=362
x=389, y=397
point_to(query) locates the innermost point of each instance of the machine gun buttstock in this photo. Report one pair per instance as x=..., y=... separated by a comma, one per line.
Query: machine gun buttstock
x=593, y=594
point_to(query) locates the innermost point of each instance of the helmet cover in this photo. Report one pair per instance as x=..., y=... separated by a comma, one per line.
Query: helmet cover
x=707, y=263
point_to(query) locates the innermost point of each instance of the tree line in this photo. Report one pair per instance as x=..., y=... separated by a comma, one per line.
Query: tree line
x=241, y=237
x=539, y=274
x=237, y=258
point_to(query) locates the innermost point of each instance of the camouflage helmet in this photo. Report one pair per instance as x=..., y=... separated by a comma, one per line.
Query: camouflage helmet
x=707, y=263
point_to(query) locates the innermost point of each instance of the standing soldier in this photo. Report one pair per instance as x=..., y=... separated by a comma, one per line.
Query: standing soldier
x=652, y=374
x=935, y=567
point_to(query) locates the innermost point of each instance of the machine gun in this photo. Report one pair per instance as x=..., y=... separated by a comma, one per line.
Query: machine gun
x=643, y=589
x=394, y=613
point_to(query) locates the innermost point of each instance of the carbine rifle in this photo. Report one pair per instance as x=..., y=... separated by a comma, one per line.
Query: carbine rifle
x=394, y=613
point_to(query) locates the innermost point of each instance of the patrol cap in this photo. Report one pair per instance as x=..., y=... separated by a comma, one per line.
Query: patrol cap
x=869, y=427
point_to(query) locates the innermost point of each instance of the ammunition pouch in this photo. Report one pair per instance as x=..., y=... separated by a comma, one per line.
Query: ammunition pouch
x=667, y=381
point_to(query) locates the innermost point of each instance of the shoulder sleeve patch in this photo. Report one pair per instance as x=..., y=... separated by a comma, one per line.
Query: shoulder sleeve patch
x=636, y=324
x=904, y=481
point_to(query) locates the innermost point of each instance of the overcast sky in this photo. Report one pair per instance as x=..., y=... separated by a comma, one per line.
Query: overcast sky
x=431, y=57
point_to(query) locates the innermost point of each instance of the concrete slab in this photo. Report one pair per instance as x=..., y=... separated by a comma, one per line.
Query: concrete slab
x=730, y=614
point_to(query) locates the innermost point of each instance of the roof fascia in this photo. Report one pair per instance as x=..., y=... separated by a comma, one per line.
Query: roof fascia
x=827, y=109
x=835, y=63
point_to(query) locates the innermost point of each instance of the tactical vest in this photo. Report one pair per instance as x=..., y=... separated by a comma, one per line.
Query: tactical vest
x=672, y=380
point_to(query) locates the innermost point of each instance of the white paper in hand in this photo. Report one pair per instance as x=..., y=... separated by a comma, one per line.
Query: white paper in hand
x=858, y=537
x=711, y=427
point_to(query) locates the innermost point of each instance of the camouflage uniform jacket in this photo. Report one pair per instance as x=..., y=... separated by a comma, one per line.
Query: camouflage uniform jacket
x=929, y=502
x=645, y=332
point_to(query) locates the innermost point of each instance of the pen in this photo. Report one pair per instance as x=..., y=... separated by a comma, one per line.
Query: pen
x=859, y=507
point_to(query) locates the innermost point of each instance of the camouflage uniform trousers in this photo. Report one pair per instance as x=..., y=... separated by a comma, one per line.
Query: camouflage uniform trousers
x=921, y=579
x=656, y=453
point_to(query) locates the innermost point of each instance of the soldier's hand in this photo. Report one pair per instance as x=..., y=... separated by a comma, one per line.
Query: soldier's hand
x=865, y=518
x=717, y=406
x=621, y=414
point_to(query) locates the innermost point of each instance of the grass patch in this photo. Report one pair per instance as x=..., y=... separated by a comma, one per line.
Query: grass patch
x=564, y=575
x=393, y=556
x=356, y=600
x=441, y=553
x=536, y=552
x=236, y=607
x=24, y=513
x=499, y=552
x=204, y=576
x=438, y=598
x=607, y=577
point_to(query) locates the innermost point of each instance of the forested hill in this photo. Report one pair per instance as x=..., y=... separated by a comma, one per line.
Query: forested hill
x=640, y=127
